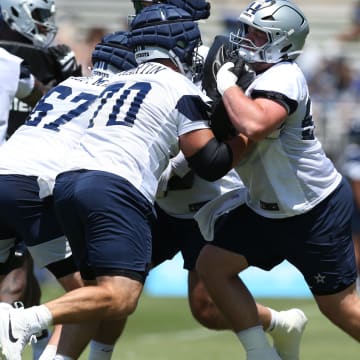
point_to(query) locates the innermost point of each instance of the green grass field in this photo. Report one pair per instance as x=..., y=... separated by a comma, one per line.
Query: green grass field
x=163, y=329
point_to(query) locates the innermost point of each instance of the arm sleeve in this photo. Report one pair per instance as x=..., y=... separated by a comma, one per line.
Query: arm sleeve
x=213, y=161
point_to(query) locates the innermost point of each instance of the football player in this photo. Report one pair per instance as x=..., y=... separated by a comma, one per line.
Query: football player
x=28, y=31
x=51, y=132
x=298, y=207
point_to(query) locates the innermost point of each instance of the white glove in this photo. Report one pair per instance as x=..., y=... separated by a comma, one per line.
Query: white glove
x=225, y=78
x=180, y=166
x=163, y=181
x=177, y=166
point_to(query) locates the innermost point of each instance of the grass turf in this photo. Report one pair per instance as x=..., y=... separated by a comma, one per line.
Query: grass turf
x=163, y=329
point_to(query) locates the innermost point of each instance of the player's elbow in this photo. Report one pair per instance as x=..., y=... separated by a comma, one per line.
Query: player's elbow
x=212, y=161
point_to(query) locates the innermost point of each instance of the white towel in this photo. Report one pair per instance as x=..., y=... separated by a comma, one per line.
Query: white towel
x=46, y=185
x=210, y=212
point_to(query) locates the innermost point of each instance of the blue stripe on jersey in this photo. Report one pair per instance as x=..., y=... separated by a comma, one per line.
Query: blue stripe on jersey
x=290, y=104
x=193, y=107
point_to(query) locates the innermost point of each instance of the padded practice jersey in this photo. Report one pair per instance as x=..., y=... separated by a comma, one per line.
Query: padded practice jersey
x=288, y=172
x=42, y=146
x=137, y=122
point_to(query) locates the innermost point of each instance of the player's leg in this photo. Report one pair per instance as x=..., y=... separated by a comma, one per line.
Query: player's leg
x=285, y=327
x=219, y=264
x=202, y=306
x=21, y=285
x=326, y=258
x=65, y=271
x=356, y=240
x=48, y=247
x=114, y=297
x=103, y=342
x=108, y=330
x=219, y=270
x=101, y=335
x=342, y=309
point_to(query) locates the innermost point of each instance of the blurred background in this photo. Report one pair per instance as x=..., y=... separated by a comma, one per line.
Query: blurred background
x=331, y=63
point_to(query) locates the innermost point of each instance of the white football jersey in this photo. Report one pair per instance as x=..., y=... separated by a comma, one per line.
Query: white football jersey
x=43, y=145
x=288, y=172
x=185, y=203
x=9, y=75
x=137, y=122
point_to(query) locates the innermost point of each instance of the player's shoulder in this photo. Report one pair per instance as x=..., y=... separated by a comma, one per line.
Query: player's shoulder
x=5, y=55
x=284, y=71
x=285, y=77
x=85, y=83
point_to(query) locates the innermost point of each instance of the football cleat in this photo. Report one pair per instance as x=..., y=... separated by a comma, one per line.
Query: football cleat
x=287, y=333
x=14, y=332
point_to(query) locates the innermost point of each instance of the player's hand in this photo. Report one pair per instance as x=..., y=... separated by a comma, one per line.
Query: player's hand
x=65, y=62
x=226, y=78
x=245, y=75
x=218, y=55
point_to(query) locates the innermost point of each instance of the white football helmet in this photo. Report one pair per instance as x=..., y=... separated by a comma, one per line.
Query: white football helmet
x=283, y=22
x=34, y=19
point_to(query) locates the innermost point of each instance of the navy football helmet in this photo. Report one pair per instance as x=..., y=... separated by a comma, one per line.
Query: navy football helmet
x=113, y=51
x=167, y=32
x=198, y=9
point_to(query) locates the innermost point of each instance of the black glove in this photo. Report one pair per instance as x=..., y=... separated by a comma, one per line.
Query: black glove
x=245, y=75
x=65, y=62
x=198, y=9
x=220, y=122
x=219, y=53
